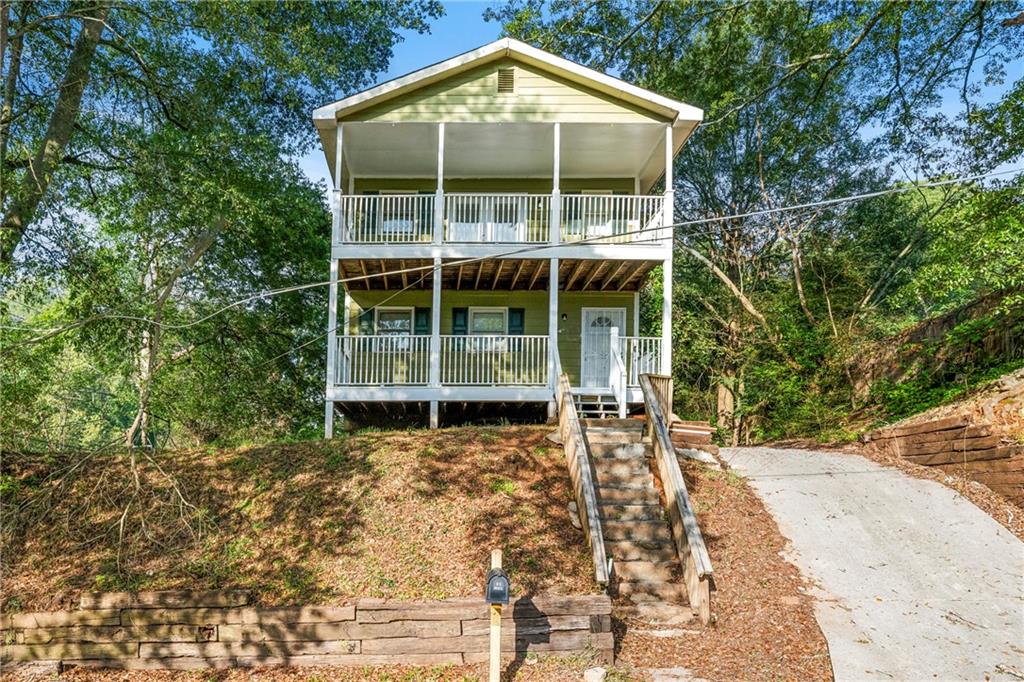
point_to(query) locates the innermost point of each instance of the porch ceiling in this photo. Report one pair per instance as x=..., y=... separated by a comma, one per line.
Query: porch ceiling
x=511, y=150
x=503, y=274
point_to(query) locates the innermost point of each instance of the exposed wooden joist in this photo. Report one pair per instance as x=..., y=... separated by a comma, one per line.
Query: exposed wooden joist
x=575, y=273
x=537, y=270
x=624, y=282
x=497, y=275
x=598, y=267
x=405, y=275
x=383, y=270
x=615, y=273
x=515, y=275
x=362, y=267
x=479, y=271
x=458, y=279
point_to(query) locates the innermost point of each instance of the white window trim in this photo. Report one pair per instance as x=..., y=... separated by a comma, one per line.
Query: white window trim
x=393, y=309
x=487, y=309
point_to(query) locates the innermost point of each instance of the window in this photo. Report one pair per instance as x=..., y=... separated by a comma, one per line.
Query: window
x=488, y=321
x=394, y=321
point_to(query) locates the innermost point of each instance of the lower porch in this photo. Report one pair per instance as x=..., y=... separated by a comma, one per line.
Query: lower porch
x=488, y=347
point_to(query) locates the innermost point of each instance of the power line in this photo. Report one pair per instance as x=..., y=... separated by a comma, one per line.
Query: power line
x=534, y=248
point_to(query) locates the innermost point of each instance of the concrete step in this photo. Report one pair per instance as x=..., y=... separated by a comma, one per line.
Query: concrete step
x=644, y=591
x=646, y=571
x=631, y=512
x=627, y=494
x=620, y=450
x=641, y=531
x=630, y=550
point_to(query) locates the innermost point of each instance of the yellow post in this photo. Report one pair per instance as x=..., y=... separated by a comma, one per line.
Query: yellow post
x=495, y=674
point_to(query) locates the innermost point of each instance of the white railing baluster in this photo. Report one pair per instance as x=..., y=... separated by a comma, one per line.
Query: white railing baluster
x=386, y=218
x=617, y=217
x=494, y=360
x=503, y=218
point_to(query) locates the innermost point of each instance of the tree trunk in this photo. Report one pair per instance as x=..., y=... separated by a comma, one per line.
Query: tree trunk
x=10, y=83
x=30, y=191
x=146, y=364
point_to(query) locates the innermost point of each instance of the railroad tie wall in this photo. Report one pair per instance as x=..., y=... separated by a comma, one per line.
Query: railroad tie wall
x=956, y=445
x=217, y=629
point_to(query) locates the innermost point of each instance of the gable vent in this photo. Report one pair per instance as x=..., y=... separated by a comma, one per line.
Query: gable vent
x=506, y=81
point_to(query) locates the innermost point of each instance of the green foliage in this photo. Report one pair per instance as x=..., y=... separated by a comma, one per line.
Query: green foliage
x=802, y=104
x=177, y=195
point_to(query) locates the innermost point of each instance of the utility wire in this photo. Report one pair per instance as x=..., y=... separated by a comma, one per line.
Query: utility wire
x=541, y=247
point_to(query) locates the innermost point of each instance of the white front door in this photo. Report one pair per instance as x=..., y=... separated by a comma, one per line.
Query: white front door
x=595, y=346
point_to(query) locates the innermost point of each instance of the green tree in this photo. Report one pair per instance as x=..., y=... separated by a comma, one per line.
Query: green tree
x=803, y=102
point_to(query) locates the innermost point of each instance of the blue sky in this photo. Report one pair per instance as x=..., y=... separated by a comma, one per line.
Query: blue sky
x=462, y=28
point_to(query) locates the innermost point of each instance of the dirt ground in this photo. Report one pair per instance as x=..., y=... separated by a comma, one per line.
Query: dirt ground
x=764, y=629
x=399, y=515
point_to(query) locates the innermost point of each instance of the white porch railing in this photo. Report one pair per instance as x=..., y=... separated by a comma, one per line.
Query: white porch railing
x=494, y=360
x=496, y=218
x=510, y=218
x=619, y=217
x=383, y=360
x=386, y=218
x=641, y=355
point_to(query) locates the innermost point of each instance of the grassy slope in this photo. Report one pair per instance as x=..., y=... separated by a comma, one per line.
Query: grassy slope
x=389, y=514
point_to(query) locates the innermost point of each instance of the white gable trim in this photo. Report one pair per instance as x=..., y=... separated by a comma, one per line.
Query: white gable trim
x=326, y=116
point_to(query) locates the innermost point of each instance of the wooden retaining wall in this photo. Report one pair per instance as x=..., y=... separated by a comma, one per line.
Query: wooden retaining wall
x=956, y=445
x=196, y=630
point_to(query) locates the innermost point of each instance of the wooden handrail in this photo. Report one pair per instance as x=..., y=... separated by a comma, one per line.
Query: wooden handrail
x=582, y=476
x=690, y=547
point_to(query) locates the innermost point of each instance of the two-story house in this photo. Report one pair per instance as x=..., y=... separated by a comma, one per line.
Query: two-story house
x=495, y=216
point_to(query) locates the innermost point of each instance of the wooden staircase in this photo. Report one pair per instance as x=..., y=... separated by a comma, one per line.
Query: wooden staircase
x=637, y=534
x=596, y=405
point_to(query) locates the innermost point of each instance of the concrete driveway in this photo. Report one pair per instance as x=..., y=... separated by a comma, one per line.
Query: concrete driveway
x=913, y=581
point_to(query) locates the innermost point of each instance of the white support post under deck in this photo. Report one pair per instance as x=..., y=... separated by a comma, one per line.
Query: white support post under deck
x=668, y=219
x=553, y=369
x=332, y=297
x=435, y=342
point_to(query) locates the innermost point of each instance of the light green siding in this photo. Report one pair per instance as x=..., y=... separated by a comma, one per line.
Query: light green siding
x=526, y=185
x=473, y=96
x=535, y=303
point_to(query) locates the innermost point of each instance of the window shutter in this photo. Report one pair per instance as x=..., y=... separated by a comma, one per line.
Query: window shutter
x=426, y=216
x=366, y=322
x=370, y=219
x=421, y=321
x=516, y=321
x=460, y=321
x=570, y=209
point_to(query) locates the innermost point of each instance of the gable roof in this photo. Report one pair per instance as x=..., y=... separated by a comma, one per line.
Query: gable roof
x=680, y=113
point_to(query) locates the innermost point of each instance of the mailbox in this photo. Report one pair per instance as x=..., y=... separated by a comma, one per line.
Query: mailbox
x=497, y=587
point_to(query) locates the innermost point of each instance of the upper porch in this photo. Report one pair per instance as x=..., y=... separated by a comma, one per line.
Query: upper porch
x=410, y=186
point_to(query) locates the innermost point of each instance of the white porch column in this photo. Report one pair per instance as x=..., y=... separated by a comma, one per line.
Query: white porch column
x=439, y=194
x=332, y=296
x=555, y=229
x=668, y=219
x=553, y=369
x=435, y=342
